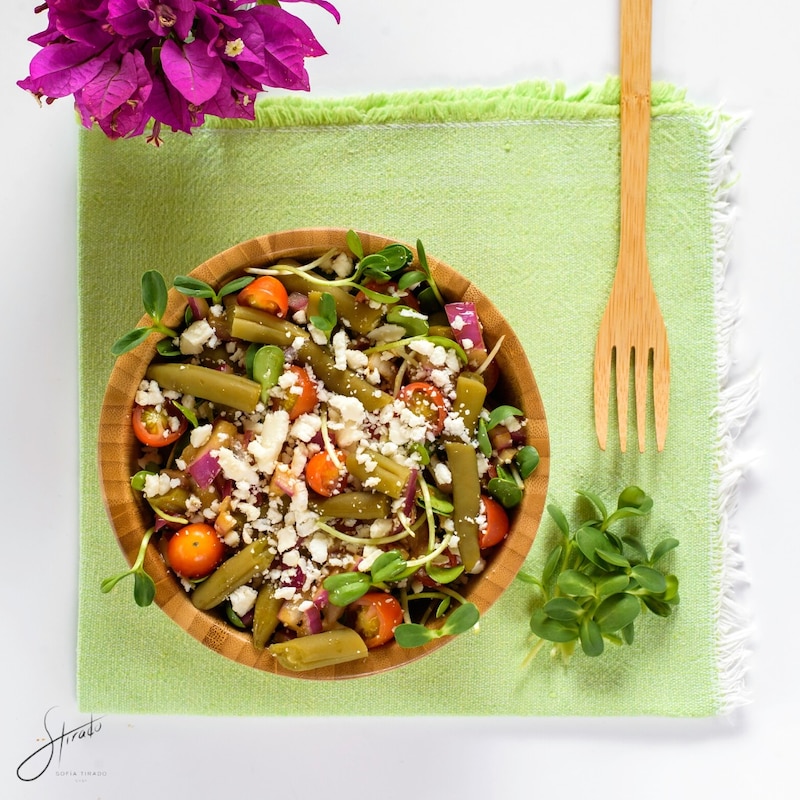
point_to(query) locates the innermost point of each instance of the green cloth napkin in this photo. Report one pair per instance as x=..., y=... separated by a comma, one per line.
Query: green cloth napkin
x=518, y=189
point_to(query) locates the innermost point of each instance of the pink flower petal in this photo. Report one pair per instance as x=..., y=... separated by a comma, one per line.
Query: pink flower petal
x=115, y=84
x=60, y=69
x=191, y=70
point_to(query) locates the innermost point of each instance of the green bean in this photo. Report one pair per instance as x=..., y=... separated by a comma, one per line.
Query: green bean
x=342, y=381
x=224, y=388
x=386, y=475
x=463, y=463
x=320, y=650
x=254, y=325
x=232, y=574
x=470, y=395
x=267, y=367
x=352, y=505
x=265, y=615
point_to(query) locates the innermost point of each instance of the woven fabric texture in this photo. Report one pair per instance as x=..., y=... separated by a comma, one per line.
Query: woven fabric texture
x=518, y=188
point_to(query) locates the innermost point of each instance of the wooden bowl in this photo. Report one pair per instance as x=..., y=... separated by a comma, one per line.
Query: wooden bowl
x=130, y=517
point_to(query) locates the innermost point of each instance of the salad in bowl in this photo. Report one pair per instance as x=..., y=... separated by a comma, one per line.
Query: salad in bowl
x=323, y=453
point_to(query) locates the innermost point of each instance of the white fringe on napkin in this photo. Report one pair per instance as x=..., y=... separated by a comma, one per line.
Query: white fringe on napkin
x=737, y=401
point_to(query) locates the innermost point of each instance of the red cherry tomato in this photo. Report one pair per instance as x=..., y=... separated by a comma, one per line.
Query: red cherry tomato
x=195, y=550
x=375, y=616
x=495, y=528
x=267, y=294
x=301, y=397
x=428, y=402
x=151, y=425
x=324, y=476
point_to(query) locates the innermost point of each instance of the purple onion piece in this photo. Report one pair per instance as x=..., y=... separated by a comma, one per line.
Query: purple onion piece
x=204, y=469
x=463, y=319
x=297, y=301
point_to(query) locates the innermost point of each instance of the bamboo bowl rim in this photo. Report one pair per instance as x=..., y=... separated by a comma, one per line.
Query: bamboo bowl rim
x=129, y=515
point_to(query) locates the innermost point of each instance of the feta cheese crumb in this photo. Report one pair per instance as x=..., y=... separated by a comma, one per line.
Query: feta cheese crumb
x=196, y=336
x=200, y=435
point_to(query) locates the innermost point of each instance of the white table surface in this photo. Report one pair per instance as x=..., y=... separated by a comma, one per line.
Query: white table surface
x=738, y=54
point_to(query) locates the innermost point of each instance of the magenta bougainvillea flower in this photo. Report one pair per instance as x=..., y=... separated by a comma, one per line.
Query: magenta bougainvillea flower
x=137, y=65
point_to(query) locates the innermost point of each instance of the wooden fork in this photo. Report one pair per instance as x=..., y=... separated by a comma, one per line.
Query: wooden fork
x=632, y=326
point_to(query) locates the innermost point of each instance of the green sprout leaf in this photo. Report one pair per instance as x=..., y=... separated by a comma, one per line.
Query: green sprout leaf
x=346, y=587
x=144, y=590
x=327, y=318
x=526, y=459
x=354, y=243
x=500, y=414
x=598, y=581
x=154, y=300
x=154, y=294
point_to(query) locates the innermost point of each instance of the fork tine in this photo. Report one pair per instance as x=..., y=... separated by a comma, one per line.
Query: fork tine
x=602, y=387
x=661, y=391
x=641, y=356
x=623, y=362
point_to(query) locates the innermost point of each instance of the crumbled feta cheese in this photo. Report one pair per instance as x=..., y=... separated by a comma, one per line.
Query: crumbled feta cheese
x=200, y=435
x=267, y=447
x=305, y=427
x=380, y=527
x=157, y=485
x=233, y=467
x=291, y=558
x=356, y=359
x=149, y=394
x=340, y=342
x=423, y=347
x=197, y=335
x=317, y=547
x=342, y=265
x=442, y=474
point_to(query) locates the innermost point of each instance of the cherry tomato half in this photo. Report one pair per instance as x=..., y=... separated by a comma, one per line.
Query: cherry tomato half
x=375, y=617
x=324, y=476
x=425, y=400
x=152, y=427
x=266, y=293
x=495, y=528
x=301, y=397
x=195, y=550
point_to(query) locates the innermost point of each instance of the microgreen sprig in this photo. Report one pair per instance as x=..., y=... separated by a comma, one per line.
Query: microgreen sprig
x=194, y=287
x=154, y=299
x=460, y=620
x=596, y=582
x=144, y=589
x=326, y=318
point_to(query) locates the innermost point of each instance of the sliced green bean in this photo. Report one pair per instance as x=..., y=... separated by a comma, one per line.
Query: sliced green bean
x=342, y=381
x=265, y=616
x=352, y=505
x=463, y=462
x=232, y=574
x=470, y=396
x=254, y=325
x=385, y=475
x=224, y=388
x=320, y=650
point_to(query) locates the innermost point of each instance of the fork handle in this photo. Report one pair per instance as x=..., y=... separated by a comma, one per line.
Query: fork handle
x=636, y=17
